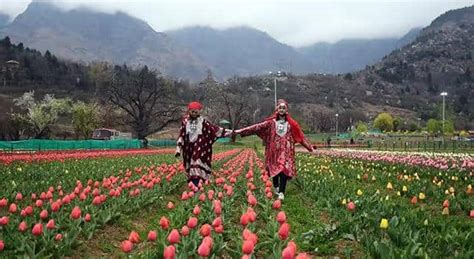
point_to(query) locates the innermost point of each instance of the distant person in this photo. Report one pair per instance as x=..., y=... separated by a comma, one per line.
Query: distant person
x=195, y=140
x=280, y=132
x=352, y=141
x=328, y=141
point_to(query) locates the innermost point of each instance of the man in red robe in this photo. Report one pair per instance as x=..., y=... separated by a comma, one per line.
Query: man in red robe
x=279, y=133
x=195, y=140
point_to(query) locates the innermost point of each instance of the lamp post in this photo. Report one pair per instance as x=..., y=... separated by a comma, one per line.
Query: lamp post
x=278, y=74
x=444, y=94
x=337, y=120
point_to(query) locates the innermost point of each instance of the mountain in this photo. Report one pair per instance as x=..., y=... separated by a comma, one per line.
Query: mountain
x=350, y=55
x=440, y=59
x=85, y=35
x=4, y=20
x=240, y=51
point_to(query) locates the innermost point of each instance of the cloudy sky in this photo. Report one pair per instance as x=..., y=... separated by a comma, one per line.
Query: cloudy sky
x=294, y=22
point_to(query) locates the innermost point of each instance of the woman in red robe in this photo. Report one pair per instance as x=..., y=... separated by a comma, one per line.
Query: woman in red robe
x=279, y=133
x=195, y=140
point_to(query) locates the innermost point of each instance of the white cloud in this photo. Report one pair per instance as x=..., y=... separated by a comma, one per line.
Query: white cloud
x=294, y=22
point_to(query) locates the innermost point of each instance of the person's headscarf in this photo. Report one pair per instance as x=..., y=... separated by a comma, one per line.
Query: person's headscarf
x=194, y=106
x=295, y=128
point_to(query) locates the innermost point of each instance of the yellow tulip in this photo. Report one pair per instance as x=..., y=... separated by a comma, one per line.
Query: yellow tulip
x=445, y=211
x=451, y=189
x=343, y=201
x=359, y=192
x=389, y=186
x=399, y=194
x=425, y=222
x=373, y=178
x=384, y=224
x=421, y=196
x=404, y=189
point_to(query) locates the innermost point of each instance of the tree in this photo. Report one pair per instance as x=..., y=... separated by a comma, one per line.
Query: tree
x=384, y=122
x=362, y=127
x=145, y=97
x=40, y=115
x=85, y=118
x=227, y=101
x=433, y=126
x=397, y=124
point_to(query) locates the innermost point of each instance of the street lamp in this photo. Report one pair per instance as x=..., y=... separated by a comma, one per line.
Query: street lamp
x=444, y=94
x=337, y=115
x=278, y=74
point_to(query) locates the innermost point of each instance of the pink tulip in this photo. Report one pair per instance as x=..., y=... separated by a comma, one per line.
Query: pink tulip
x=37, y=229
x=174, y=237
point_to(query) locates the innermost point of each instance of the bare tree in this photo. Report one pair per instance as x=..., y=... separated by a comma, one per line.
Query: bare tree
x=145, y=97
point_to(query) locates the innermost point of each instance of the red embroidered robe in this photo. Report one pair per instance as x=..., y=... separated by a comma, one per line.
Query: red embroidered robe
x=279, y=150
x=195, y=141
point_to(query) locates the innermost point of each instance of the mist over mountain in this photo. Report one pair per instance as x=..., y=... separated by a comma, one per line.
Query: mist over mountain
x=85, y=35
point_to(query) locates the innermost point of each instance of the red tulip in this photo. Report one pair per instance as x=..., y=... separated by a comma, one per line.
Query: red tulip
x=196, y=210
x=19, y=196
x=192, y=222
x=244, y=219
x=29, y=210
x=173, y=237
x=471, y=214
x=252, y=215
x=87, y=217
x=2, y=245
x=127, y=246
x=303, y=256
x=284, y=231
x=281, y=217
x=4, y=221
x=351, y=206
x=205, y=230
x=37, y=229
x=170, y=205
x=13, y=208
x=55, y=206
x=44, y=214
x=152, y=235
x=276, y=204
x=169, y=252
x=204, y=250
x=96, y=200
x=134, y=237
x=219, y=229
x=247, y=247
x=414, y=200
x=217, y=222
x=446, y=204
x=3, y=203
x=39, y=203
x=164, y=223
x=22, y=227
x=185, y=231
x=76, y=213
x=51, y=224
x=58, y=237
x=288, y=253
x=252, y=200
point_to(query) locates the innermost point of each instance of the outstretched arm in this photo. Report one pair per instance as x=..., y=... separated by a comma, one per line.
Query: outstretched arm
x=305, y=143
x=259, y=129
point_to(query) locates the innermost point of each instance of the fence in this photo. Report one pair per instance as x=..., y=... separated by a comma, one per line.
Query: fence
x=42, y=144
x=431, y=146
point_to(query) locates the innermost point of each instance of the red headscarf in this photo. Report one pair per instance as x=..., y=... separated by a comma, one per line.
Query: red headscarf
x=296, y=131
x=194, y=106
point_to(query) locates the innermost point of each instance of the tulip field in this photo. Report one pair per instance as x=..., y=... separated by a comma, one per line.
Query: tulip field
x=345, y=203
